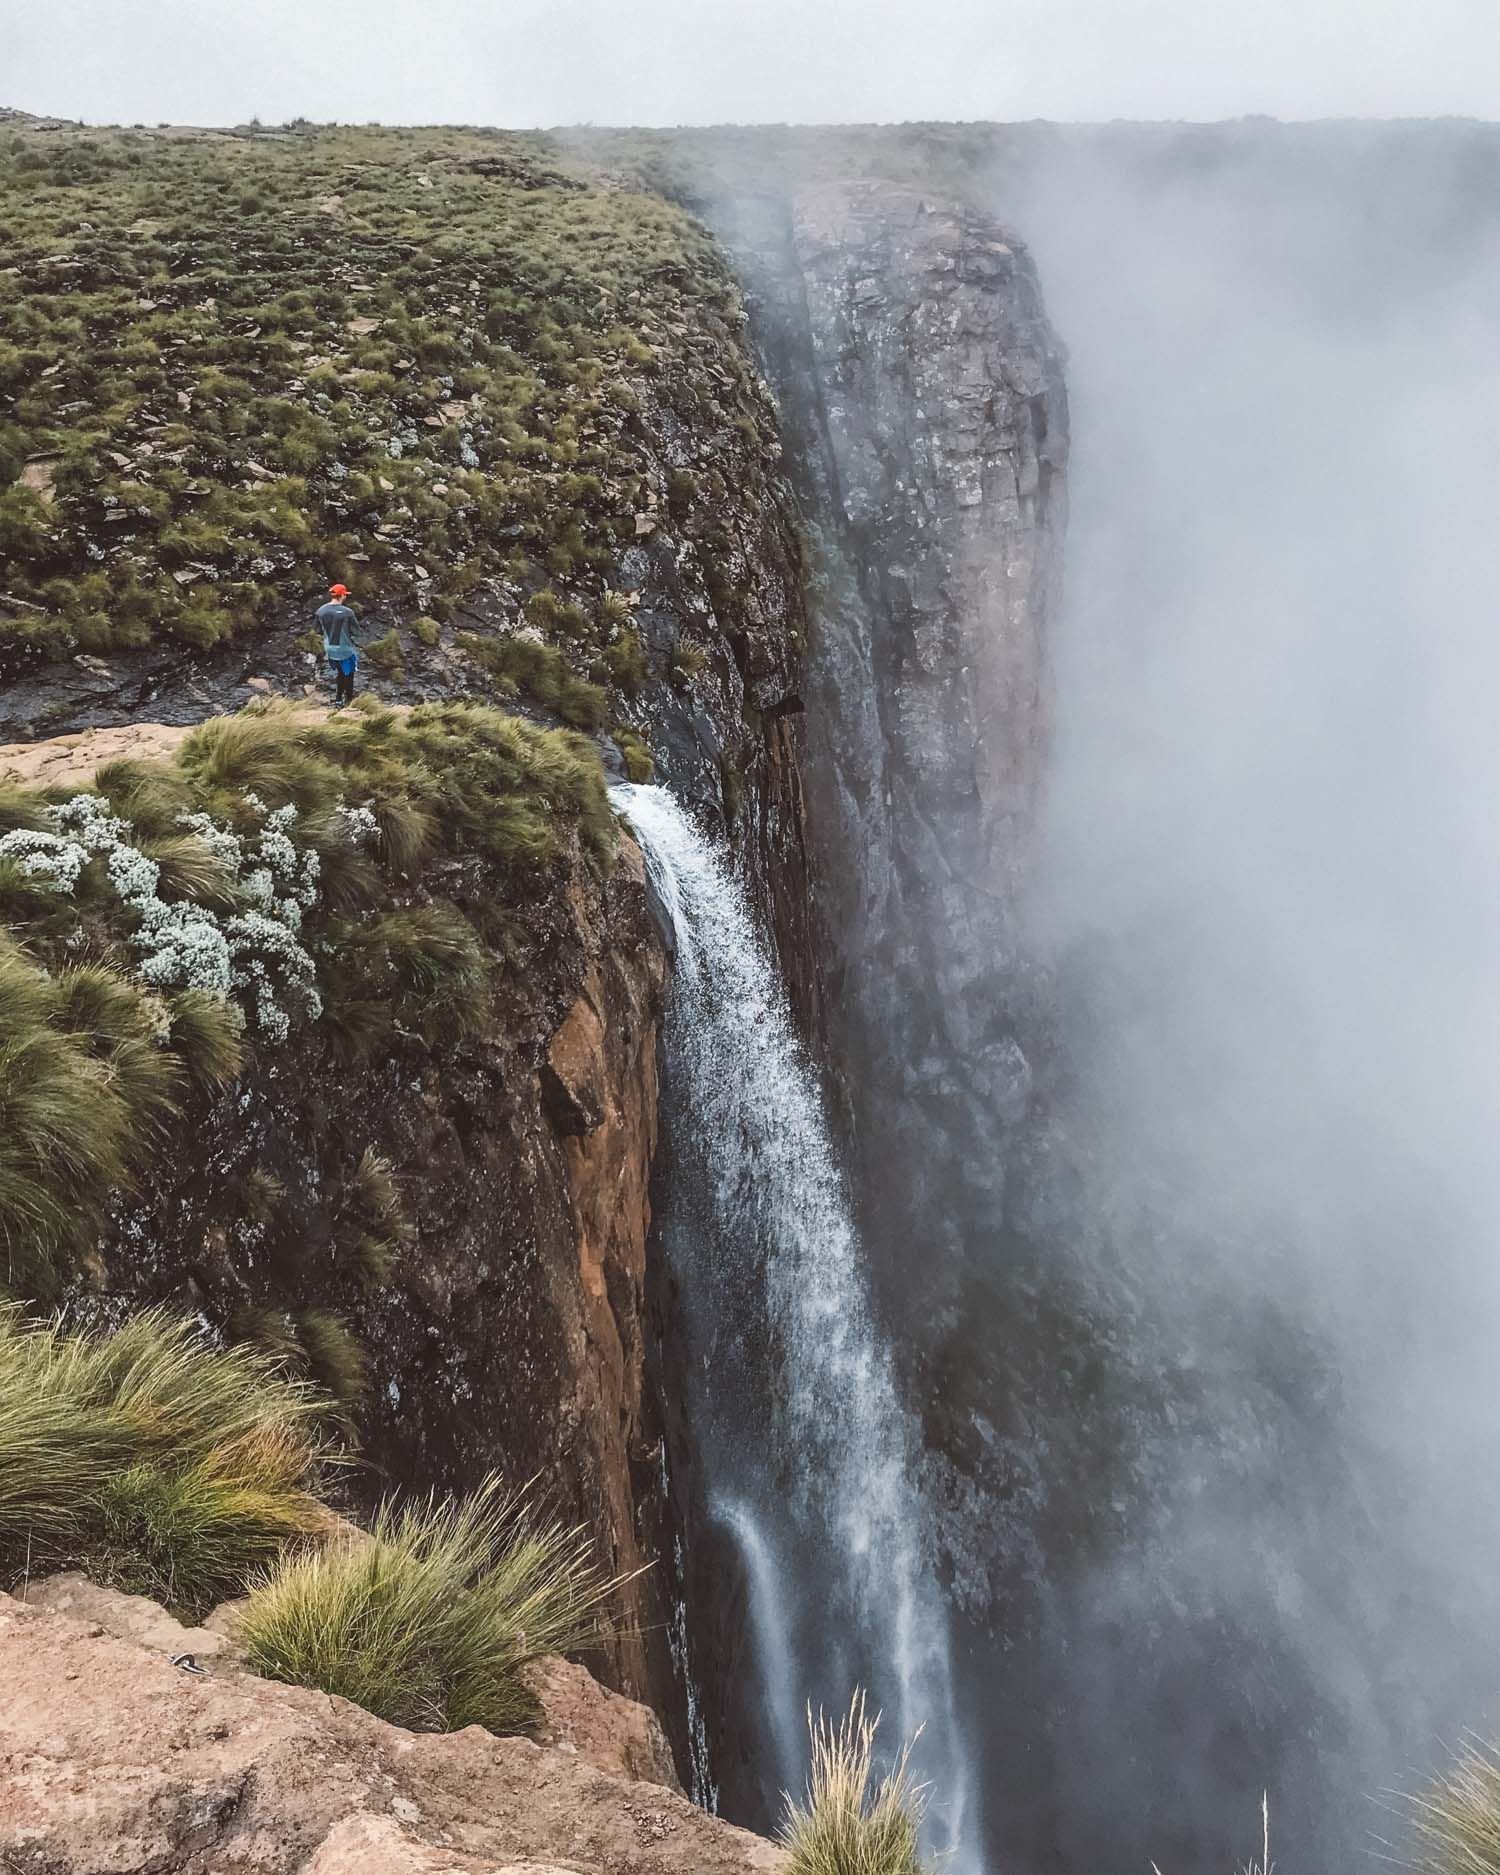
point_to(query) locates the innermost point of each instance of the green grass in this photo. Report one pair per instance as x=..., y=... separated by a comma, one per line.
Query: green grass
x=315, y=1345
x=95, y=1063
x=154, y=1461
x=430, y=1622
x=233, y=368
x=640, y=765
x=851, y=1821
x=83, y=1089
x=543, y=672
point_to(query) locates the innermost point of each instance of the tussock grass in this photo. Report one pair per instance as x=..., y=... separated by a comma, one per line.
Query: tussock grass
x=155, y=1461
x=1457, y=1819
x=406, y=358
x=430, y=1622
x=66, y=1131
x=93, y=1064
x=310, y=1344
x=209, y=1035
x=188, y=870
x=336, y=1361
x=851, y=1821
x=425, y=964
x=374, y=1224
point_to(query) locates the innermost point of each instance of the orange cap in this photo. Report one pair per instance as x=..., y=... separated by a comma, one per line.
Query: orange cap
x=338, y=592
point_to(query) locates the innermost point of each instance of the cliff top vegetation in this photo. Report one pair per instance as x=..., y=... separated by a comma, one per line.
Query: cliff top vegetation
x=273, y=877
x=237, y=366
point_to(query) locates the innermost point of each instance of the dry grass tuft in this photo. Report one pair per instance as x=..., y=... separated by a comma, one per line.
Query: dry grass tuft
x=1457, y=1819
x=852, y=1822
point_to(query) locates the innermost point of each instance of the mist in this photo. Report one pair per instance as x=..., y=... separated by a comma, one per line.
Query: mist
x=1271, y=894
x=522, y=63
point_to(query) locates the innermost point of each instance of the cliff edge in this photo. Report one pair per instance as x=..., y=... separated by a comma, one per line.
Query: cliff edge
x=117, y=1754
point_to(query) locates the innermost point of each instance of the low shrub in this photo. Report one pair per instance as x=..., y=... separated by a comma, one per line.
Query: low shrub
x=640, y=765
x=429, y=1623
x=151, y=1459
x=852, y=1823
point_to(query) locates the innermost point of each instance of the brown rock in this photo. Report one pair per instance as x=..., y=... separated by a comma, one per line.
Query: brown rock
x=374, y=1845
x=606, y=1730
x=126, y=1617
x=75, y=758
x=111, y=1759
x=37, y=476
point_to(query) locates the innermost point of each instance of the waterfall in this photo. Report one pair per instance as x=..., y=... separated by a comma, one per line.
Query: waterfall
x=804, y=1451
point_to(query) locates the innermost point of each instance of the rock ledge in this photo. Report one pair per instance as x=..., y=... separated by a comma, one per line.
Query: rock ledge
x=114, y=1760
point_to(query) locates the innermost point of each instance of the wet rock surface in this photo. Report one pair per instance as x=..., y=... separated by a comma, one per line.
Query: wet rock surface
x=922, y=392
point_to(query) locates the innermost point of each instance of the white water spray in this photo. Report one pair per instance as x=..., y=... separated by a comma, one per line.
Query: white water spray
x=792, y=1395
x=771, y=1623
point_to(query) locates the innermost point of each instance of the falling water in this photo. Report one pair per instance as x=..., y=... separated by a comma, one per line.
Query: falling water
x=804, y=1450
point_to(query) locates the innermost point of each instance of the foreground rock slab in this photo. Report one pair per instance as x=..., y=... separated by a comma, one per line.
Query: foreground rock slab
x=113, y=1761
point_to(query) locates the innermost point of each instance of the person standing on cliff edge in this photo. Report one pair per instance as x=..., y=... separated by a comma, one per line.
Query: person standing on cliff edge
x=337, y=621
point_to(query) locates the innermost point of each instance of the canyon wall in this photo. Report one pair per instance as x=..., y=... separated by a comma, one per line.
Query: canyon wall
x=924, y=405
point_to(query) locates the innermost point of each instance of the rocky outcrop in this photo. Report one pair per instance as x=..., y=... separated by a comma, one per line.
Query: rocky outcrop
x=114, y=1758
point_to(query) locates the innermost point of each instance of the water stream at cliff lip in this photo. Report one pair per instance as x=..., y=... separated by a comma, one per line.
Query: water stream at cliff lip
x=802, y=1444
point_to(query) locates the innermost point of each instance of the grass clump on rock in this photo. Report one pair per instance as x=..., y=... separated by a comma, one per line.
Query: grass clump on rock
x=85, y=1081
x=158, y=1463
x=430, y=1622
x=852, y=1822
x=1457, y=1820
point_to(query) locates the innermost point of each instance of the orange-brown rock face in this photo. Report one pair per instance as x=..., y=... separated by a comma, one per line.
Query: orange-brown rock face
x=113, y=1758
x=508, y=1333
x=598, y=1087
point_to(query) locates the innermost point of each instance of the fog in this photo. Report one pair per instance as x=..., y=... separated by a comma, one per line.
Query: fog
x=1273, y=900
x=531, y=62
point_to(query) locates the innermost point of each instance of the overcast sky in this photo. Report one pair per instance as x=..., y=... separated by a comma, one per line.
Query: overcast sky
x=527, y=62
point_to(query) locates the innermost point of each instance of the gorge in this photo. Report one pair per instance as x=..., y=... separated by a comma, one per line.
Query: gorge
x=985, y=1187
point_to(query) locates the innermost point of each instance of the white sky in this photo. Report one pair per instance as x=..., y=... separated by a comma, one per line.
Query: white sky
x=527, y=62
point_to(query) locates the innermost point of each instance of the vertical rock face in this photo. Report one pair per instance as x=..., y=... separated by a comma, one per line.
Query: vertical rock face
x=509, y=1332
x=923, y=399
